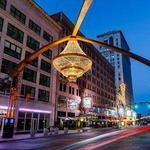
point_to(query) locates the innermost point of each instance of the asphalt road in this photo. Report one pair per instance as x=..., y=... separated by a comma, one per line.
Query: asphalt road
x=102, y=139
x=138, y=142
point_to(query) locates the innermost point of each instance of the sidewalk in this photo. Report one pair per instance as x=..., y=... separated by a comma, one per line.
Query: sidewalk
x=18, y=137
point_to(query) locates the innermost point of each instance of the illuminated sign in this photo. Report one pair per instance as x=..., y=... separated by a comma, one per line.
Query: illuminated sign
x=129, y=113
x=72, y=104
x=87, y=102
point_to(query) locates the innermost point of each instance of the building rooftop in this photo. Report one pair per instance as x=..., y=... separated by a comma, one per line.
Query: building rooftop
x=109, y=32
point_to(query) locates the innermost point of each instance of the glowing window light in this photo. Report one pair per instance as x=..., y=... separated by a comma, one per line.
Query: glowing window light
x=34, y=110
x=28, y=110
x=134, y=114
x=72, y=62
x=3, y=107
x=121, y=111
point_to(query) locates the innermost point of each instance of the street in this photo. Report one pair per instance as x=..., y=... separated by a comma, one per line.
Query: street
x=104, y=139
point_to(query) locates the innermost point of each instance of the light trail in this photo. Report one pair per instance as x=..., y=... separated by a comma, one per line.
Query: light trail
x=130, y=133
x=85, y=142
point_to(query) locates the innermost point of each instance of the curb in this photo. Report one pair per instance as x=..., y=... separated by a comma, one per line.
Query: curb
x=12, y=140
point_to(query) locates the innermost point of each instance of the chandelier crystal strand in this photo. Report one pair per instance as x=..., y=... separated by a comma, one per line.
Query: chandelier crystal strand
x=72, y=62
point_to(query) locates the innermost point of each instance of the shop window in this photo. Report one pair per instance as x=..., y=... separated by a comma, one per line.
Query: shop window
x=61, y=114
x=20, y=124
x=21, y=121
x=15, y=33
x=71, y=114
x=17, y=14
x=12, y=50
x=41, y=121
x=28, y=124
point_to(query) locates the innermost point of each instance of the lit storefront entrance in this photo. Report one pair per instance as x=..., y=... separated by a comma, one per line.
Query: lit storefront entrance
x=26, y=120
x=2, y=114
x=69, y=121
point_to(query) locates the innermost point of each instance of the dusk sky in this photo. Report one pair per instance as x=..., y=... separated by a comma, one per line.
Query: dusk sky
x=130, y=16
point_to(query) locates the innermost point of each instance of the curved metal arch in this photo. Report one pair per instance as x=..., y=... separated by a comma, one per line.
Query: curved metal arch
x=119, y=50
x=15, y=72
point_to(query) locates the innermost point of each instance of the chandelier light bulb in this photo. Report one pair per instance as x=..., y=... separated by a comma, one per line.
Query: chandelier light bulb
x=72, y=62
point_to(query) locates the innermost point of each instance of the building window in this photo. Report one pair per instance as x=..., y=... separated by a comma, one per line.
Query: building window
x=17, y=14
x=33, y=62
x=64, y=88
x=106, y=41
x=111, y=41
x=1, y=24
x=45, y=66
x=29, y=75
x=12, y=50
x=47, y=37
x=32, y=43
x=3, y=4
x=43, y=95
x=44, y=80
x=34, y=27
x=7, y=66
x=69, y=89
x=77, y=92
x=60, y=86
x=15, y=33
x=73, y=91
x=27, y=90
x=48, y=54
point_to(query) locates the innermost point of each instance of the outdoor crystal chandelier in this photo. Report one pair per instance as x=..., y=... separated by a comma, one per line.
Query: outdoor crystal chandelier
x=72, y=62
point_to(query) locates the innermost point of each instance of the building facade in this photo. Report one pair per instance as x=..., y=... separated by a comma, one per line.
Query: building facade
x=120, y=63
x=21, y=33
x=97, y=85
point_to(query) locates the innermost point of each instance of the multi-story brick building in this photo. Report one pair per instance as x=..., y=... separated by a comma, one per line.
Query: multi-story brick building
x=24, y=28
x=97, y=84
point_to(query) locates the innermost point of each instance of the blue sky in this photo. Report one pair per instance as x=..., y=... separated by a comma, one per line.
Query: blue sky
x=130, y=16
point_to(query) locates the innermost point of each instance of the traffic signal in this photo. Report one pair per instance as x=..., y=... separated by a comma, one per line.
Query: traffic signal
x=136, y=106
x=149, y=105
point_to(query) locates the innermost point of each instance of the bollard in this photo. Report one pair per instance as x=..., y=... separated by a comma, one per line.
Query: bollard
x=56, y=131
x=32, y=133
x=45, y=131
x=65, y=130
